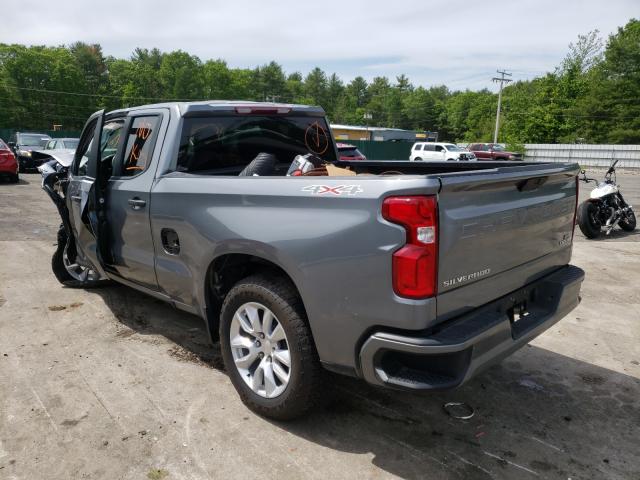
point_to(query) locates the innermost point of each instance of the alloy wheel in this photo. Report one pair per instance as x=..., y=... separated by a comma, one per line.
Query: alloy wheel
x=260, y=349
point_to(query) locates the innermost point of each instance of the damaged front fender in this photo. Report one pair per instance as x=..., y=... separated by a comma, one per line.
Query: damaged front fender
x=80, y=271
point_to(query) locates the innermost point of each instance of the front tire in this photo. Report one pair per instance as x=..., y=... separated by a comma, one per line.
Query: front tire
x=60, y=270
x=263, y=328
x=588, y=221
x=629, y=222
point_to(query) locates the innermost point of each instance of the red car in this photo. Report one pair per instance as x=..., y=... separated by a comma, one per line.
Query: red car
x=349, y=152
x=8, y=163
x=492, y=151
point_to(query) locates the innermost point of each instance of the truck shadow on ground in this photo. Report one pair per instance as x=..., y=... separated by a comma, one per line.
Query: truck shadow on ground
x=538, y=414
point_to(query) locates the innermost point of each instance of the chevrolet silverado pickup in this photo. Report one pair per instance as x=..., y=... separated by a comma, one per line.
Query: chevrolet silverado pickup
x=408, y=275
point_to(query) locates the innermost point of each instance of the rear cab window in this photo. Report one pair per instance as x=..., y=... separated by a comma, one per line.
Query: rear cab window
x=225, y=144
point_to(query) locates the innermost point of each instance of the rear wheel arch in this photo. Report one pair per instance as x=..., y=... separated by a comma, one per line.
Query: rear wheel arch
x=228, y=269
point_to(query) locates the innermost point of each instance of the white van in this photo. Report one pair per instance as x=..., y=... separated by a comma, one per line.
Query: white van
x=431, y=151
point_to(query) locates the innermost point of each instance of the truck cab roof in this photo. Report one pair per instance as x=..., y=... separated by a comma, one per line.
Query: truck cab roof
x=205, y=107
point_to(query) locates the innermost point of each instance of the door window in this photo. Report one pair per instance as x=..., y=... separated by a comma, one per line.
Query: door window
x=81, y=158
x=109, y=139
x=439, y=148
x=418, y=146
x=140, y=141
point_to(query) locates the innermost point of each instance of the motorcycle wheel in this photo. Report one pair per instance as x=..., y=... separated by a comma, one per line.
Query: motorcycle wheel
x=588, y=220
x=628, y=224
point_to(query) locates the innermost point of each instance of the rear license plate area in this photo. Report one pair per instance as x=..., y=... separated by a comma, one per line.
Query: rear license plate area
x=520, y=312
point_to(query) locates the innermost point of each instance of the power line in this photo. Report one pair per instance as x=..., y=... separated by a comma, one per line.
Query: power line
x=502, y=80
x=29, y=102
x=576, y=115
x=42, y=90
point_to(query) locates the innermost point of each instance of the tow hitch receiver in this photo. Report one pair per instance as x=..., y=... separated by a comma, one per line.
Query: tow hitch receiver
x=517, y=317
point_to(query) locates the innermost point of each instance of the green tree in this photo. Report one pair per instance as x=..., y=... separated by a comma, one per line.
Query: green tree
x=612, y=107
x=217, y=79
x=181, y=76
x=335, y=91
x=294, y=89
x=316, y=87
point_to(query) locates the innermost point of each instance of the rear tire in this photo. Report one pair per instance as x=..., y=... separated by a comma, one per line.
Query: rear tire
x=587, y=221
x=629, y=223
x=303, y=387
x=263, y=165
x=418, y=159
x=14, y=178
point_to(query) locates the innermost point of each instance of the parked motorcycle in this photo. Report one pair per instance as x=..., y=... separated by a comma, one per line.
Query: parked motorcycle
x=605, y=208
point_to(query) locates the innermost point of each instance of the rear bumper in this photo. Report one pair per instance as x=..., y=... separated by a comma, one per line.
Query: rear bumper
x=8, y=170
x=455, y=351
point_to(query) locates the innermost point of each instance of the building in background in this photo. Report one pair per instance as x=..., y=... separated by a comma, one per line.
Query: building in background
x=380, y=134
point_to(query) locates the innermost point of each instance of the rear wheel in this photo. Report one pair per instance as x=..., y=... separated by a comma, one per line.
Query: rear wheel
x=418, y=159
x=628, y=224
x=14, y=178
x=588, y=220
x=268, y=349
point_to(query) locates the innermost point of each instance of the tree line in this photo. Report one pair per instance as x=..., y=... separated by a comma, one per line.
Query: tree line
x=593, y=96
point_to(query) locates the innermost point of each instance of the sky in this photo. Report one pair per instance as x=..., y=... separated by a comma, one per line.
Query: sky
x=455, y=43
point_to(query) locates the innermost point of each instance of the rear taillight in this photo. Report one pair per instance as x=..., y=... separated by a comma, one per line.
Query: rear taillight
x=575, y=209
x=415, y=265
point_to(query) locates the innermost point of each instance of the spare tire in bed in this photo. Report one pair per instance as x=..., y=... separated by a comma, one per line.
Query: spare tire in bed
x=264, y=164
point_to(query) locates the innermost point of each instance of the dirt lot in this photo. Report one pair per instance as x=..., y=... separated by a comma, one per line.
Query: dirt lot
x=111, y=384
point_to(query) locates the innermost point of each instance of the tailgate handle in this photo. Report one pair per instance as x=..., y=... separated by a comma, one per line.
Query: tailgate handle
x=531, y=183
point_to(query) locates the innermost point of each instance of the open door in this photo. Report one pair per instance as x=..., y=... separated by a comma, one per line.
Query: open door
x=83, y=202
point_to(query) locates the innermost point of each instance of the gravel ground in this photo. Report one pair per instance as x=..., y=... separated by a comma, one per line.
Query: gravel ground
x=111, y=384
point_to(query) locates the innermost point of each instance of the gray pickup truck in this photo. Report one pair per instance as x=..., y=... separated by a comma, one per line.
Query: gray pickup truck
x=408, y=275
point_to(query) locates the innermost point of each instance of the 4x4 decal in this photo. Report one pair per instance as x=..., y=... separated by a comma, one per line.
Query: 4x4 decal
x=333, y=190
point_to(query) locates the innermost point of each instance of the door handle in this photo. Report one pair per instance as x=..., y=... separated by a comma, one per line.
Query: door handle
x=137, y=203
x=76, y=198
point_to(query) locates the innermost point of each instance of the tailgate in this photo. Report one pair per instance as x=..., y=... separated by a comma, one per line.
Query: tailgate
x=501, y=229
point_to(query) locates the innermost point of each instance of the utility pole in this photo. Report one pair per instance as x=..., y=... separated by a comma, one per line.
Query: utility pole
x=502, y=80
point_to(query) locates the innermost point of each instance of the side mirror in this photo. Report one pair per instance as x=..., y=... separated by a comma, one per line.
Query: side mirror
x=12, y=144
x=582, y=172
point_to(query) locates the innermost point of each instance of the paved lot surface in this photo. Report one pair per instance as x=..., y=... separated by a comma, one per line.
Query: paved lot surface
x=111, y=384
